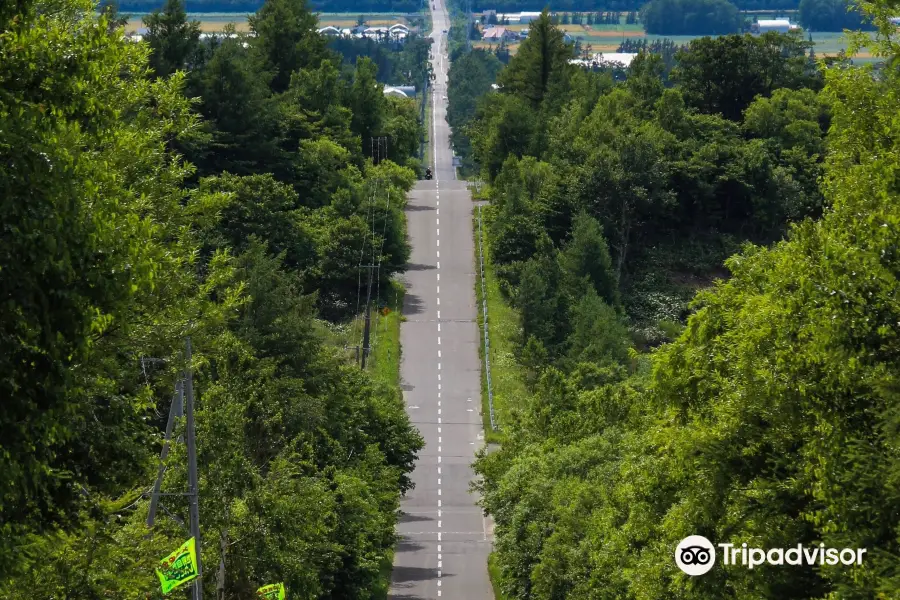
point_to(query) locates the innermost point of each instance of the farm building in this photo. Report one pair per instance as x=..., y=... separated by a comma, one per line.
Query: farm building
x=496, y=34
x=528, y=17
x=605, y=59
x=779, y=25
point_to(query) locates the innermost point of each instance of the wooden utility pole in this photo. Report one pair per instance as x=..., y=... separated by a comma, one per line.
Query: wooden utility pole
x=365, y=348
x=193, y=488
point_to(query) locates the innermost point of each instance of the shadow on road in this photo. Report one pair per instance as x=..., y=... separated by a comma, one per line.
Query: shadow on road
x=412, y=304
x=418, y=207
x=408, y=545
x=412, y=574
x=408, y=518
x=418, y=267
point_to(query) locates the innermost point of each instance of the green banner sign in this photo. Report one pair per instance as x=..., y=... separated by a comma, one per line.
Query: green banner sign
x=274, y=591
x=179, y=567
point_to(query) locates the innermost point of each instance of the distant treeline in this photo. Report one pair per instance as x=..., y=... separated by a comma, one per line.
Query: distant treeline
x=351, y=6
x=403, y=6
x=620, y=5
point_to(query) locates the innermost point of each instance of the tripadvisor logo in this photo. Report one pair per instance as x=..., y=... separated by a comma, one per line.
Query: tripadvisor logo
x=696, y=555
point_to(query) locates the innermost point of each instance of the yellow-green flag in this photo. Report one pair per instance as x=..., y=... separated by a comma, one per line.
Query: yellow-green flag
x=273, y=591
x=179, y=567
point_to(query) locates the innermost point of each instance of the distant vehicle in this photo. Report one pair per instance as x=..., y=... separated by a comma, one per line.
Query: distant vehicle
x=444, y=30
x=428, y=173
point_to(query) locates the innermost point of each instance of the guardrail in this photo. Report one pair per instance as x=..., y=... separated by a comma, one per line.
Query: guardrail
x=487, y=339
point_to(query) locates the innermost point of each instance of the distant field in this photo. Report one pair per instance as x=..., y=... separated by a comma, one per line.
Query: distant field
x=216, y=22
x=606, y=38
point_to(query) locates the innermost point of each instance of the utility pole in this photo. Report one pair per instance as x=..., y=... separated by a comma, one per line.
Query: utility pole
x=193, y=489
x=365, y=348
x=175, y=411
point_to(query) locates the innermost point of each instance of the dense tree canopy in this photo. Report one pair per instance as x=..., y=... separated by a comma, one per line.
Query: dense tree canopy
x=135, y=217
x=831, y=15
x=761, y=409
x=691, y=17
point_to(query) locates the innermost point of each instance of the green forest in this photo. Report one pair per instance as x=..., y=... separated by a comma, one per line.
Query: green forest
x=704, y=277
x=249, y=6
x=223, y=192
x=411, y=6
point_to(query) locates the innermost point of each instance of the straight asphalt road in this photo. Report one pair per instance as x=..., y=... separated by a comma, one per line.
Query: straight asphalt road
x=444, y=540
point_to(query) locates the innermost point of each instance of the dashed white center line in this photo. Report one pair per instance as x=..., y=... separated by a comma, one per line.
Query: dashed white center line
x=439, y=233
x=438, y=289
x=439, y=278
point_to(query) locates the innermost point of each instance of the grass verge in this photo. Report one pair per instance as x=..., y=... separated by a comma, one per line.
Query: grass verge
x=494, y=574
x=507, y=376
x=384, y=361
x=384, y=581
x=384, y=365
x=429, y=130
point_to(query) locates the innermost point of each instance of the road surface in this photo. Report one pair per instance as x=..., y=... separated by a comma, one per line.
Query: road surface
x=444, y=540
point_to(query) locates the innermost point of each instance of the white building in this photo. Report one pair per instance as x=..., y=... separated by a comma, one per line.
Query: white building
x=779, y=25
x=528, y=17
x=508, y=19
x=605, y=59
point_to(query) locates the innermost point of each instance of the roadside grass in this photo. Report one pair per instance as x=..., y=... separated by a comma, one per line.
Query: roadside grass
x=384, y=360
x=384, y=580
x=494, y=574
x=384, y=365
x=507, y=376
x=427, y=161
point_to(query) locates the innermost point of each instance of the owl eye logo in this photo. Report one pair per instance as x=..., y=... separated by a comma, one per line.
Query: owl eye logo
x=695, y=555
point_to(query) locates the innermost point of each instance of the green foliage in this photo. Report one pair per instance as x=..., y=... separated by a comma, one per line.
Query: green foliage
x=117, y=249
x=770, y=417
x=172, y=39
x=287, y=39
x=368, y=99
x=723, y=75
x=540, y=66
x=831, y=15
x=690, y=17
x=587, y=263
x=470, y=77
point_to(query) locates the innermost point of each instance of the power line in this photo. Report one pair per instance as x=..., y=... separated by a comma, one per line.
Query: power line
x=387, y=215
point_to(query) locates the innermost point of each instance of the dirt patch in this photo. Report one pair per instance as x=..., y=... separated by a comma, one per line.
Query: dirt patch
x=218, y=26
